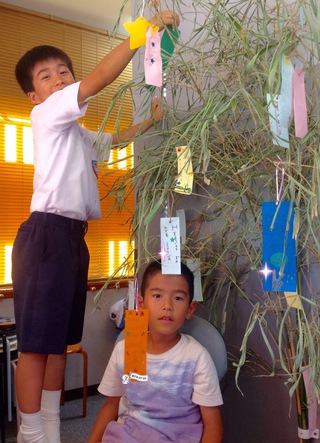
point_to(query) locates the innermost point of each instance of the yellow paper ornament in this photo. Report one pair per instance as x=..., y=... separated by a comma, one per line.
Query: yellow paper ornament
x=137, y=31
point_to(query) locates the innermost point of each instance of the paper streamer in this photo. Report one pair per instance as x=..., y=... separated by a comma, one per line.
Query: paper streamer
x=152, y=59
x=286, y=92
x=184, y=181
x=131, y=295
x=299, y=103
x=280, y=133
x=138, y=31
x=169, y=38
x=279, y=255
x=170, y=245
x=135, y=345
x=293, y=300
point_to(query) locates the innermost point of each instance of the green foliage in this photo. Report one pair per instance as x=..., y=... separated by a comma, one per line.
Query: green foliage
x=217, y=82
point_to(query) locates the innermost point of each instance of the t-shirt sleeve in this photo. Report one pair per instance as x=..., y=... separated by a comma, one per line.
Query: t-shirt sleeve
x=206, y=390
x=59, y=109
x=111, y=383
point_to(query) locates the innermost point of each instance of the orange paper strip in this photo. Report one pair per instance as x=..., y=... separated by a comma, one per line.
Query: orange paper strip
x=135, y=345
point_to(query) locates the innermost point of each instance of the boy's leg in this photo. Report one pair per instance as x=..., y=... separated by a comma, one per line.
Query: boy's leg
x=50, y=265
x=39, y=381
x=55, y=369
x=51, y=396
x=29, y=381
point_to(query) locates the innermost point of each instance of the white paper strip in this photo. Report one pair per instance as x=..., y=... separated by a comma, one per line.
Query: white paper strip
x=130, y=295
x=170, y=245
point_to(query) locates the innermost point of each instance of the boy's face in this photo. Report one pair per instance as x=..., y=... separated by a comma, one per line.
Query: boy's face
x=168, y=300
x=49, y=76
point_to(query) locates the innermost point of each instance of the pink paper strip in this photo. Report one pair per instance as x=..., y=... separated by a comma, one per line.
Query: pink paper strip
x=152, y=59
x=312, y=402
x=299, y=103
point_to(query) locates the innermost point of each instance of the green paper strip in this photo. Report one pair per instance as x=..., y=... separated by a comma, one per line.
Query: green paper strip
x=169, y=38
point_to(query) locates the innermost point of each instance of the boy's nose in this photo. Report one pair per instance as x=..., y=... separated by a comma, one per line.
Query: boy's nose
x=167, y=306
x=58, y=80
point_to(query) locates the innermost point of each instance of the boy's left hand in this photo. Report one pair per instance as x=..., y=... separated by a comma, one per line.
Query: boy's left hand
x=157, y=111
x=165, y=18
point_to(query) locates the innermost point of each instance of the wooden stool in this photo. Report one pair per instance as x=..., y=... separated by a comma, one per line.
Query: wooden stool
x=77, y=349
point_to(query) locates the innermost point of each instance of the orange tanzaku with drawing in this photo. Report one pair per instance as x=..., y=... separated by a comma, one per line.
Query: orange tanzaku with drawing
x=135, y=345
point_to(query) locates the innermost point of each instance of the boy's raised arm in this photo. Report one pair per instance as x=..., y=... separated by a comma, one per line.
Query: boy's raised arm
x=127, y=135
x=111, y=66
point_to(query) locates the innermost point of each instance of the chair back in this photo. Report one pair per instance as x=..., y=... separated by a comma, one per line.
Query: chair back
x=209, y=337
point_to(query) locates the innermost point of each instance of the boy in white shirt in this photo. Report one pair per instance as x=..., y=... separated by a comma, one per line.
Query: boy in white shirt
x=50, y=257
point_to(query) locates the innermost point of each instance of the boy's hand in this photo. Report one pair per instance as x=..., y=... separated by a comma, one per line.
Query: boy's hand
x=165, y=18
x=156, y=110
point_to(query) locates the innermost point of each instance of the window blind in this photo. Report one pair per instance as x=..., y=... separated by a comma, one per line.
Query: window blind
x=108, y=238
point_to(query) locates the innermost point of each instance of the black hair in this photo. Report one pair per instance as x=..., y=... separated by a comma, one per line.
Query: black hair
x=25, y=66
x=155, y=267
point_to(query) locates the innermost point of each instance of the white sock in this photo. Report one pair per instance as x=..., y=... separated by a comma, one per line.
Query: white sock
x=31, y=429
x=50, y=413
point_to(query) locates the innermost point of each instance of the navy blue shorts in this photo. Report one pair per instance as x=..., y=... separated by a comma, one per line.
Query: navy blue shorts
x=50, y=261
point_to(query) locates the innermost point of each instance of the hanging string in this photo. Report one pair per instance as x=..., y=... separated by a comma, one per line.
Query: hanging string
x=136, y=293
x=166, y=208
x=142, y=8
x=279, y=186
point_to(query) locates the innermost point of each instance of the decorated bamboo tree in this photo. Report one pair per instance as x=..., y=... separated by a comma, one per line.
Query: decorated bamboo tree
x=241, y=91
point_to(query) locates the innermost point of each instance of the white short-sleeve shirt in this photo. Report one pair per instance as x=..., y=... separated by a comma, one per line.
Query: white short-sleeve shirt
x=65, y=157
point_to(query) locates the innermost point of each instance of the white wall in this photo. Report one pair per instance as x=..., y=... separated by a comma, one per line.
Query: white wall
x=98, y=339
x=99, y=335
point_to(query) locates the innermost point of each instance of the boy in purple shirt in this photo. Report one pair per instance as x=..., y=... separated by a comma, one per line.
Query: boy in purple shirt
x=180, y=401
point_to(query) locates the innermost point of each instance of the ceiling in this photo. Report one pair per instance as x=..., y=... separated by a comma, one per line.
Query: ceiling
x=102, y=14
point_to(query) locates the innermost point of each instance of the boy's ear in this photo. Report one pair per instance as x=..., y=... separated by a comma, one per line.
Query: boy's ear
x=192, y=308
x=140, y=301
x=32, y=96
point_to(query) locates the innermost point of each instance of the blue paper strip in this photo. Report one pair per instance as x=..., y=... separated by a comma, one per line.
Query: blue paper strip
x=279, y=254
